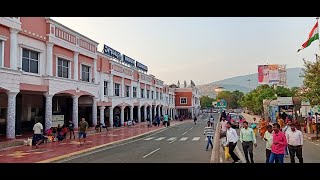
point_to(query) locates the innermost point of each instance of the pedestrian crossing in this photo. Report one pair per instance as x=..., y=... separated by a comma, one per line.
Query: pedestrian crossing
x=181, y=139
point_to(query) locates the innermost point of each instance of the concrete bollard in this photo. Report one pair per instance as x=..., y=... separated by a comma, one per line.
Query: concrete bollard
x=215, y=156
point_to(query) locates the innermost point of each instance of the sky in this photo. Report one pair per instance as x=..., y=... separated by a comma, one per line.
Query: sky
x=202, y=49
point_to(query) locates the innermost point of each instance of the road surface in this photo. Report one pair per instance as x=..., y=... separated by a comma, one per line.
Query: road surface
x=183, y=143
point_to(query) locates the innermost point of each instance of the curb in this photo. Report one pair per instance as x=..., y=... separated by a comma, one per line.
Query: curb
x=215, y=155
x=104, y=145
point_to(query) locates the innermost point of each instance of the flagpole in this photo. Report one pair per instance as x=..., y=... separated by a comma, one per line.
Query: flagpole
x=318, y=32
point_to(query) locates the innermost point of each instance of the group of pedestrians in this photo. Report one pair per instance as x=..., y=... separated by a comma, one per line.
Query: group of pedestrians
x=38, y=136
x=279, y=141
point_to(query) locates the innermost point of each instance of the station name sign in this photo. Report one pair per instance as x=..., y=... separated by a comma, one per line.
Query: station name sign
x=128, y=60
x=123, y=58
x=112, y=52
x=141, y=66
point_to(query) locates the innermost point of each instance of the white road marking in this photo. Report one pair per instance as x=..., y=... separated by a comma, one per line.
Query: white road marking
x=151, y=153
x=173, y=141
x=195, y=139
x=160, y=138
x=149, y=138
x=221, y=159
x=183, y=138
x=172, y=138
x=191, y=128
x=184, y=133
x=206, y=139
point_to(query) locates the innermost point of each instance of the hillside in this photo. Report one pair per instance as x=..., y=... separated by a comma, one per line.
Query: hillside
x=241, y=82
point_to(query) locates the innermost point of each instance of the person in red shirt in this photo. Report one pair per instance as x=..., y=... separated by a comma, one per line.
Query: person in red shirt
x=278, y=145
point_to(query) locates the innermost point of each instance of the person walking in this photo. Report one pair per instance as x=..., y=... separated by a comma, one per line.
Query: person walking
x=211, y=120
x=254, y=126
x=295, y=143
x=285, y=130
x=208, y=131
x=279, y=143
x=166, y=120
x=83, y=127
x=195, y=120
x=232, y=139
x=71, y=129
x=268, y=138
x=37, y=134
x=248, y=139
x=262, y=127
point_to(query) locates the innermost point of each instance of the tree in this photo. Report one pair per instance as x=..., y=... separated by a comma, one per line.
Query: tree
x=206, y=101
x=312, y=81
x=232, y=98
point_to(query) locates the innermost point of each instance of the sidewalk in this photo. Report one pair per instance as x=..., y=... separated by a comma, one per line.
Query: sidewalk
x=54, y=151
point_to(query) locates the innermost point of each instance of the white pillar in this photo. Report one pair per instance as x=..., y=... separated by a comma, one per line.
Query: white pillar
x=131, y=91
x=48, y=115
x=111, y=89
x=13, y=49
x=49, y=58
x=145, y=91
x=11, y=115
x=102, y=88
x=94, y=112
x=145, y=112
x=122, y=87
x=139, y=113
x=131, y=112
x=154, y=110
x=150, y=114
x=76, y=65
x=139, y=91
x=95, y=76
x=122, y=115
x=159, y=113
x=101, y=108
x=75, y=118
x=111, y=116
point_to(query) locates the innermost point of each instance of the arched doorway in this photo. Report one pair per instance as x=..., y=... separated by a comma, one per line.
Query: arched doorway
x=126, y=113
x=142, y=113
x=62, y=109
x=85, y=108
x=117, y=116
x=3, y=112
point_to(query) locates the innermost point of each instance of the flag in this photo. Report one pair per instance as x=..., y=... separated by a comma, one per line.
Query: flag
x=313, y=35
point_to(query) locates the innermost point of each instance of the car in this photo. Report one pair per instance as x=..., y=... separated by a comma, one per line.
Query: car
x=214, y=111
x=235, y=119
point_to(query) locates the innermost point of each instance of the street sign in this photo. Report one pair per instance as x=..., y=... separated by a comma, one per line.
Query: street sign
x=221, y=103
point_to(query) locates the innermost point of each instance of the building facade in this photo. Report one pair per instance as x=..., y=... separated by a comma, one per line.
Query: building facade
x=53, y=74
x=187, y=101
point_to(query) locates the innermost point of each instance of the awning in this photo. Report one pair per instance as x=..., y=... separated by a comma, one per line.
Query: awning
x=285, y=101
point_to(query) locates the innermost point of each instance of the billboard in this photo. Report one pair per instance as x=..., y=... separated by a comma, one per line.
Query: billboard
x=263, y=74
x=272, y=74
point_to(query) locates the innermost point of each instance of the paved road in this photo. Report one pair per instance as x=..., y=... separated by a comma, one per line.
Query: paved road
x=183, y=143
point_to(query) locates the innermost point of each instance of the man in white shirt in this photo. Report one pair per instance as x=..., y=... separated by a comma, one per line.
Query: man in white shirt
x=223, y=125
x=37, y=136
x=295, y=143
x=232, y=139
x=268, y=138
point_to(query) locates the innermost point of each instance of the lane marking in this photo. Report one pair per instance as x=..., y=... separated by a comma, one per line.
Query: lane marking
x=221, y=159
x=151, y=153
x=149, y=138
x=184, y=133
x=191, y=128
x=160, y=138
x=172, y=138
x=173, y=141
x=103, y=147
x=195, y=139
x=183, y=138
